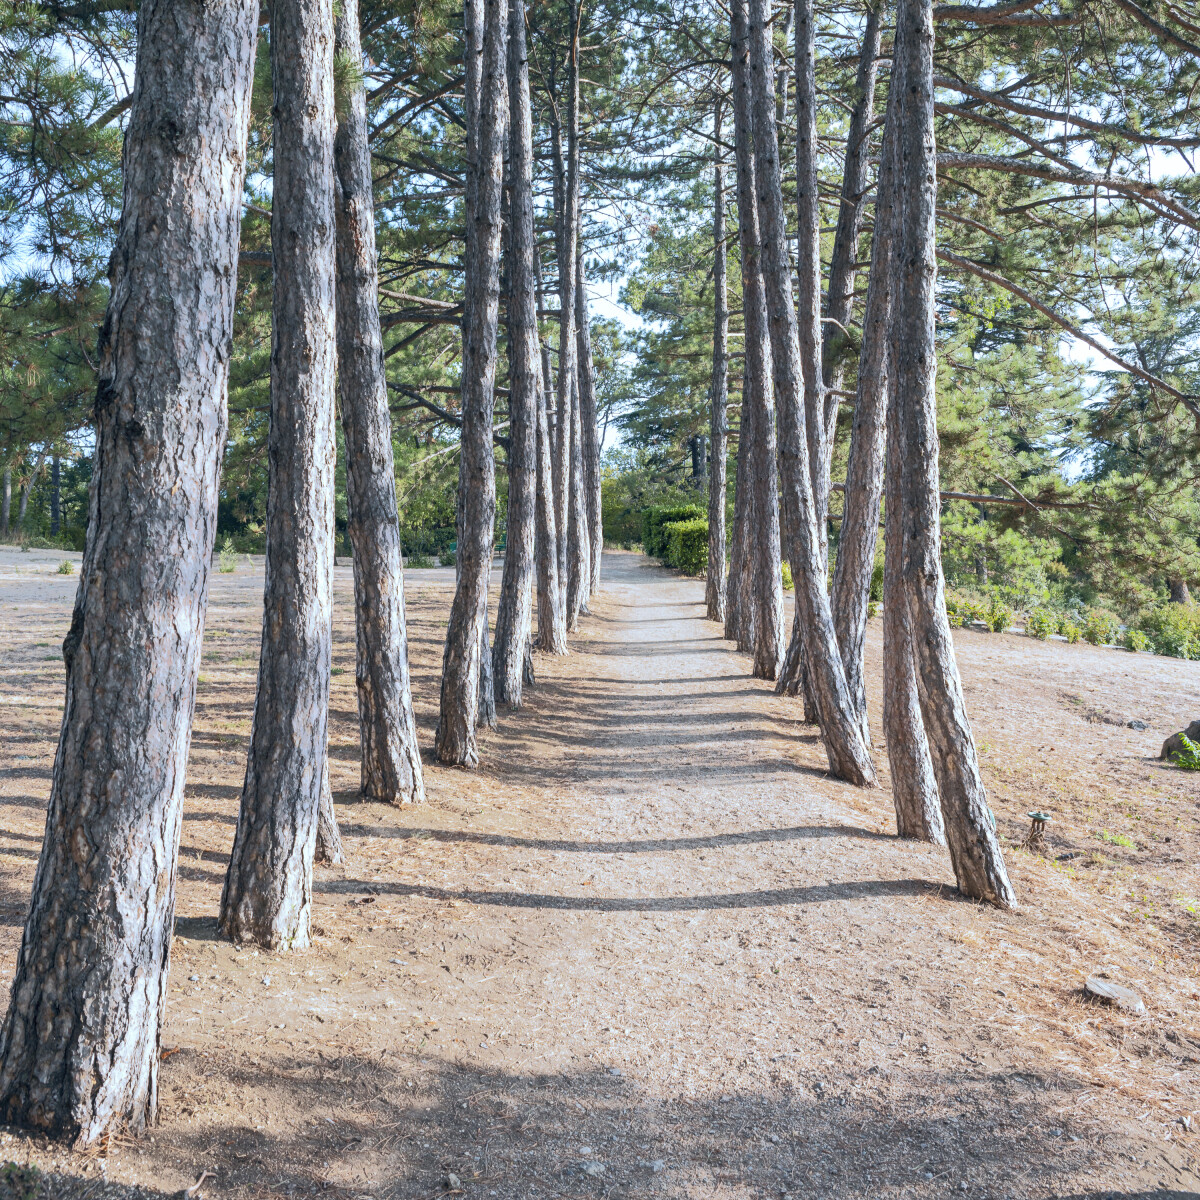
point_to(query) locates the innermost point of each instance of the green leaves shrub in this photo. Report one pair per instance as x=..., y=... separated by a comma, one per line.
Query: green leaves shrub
x=687, y=545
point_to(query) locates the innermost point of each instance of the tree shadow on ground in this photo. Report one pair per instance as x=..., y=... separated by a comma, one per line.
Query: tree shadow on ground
x=340, y=1122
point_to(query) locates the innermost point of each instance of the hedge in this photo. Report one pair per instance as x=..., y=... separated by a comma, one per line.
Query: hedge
x=687, y=545
x=654, y=537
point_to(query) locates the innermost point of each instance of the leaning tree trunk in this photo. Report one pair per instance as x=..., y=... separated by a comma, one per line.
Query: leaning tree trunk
x=486, y=34
x=974, y=848
x=391, y=759
x=763, y=584
x=514, y=615
x=79, y=1047
x=551, y=601
x=849, y=757
x=589, y=428
x=267, y=898
x=329, y=837
x=714, y=587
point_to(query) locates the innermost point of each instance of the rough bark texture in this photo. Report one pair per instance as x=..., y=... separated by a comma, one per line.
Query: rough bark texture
x=466, y=634
x=80, y=1043
x=564, y=403
x=55, y=495
x=589, y=429
x=267, y=895
x=514, y=615
x=714, y=587
x=329, y=838
x=736, y=605
x=391, y=759
x=762, y=587
x=579, y=551
x=849, y=757
x=6, y=502
x=974, y=848
x=1179, y=591
x=551, y=600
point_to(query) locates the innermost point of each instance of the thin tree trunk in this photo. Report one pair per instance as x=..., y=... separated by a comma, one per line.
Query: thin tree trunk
x=714, y=587
x=564, y=247
x=485, y=713
x=267, y=898
x=329, y=838
x=486, y=24
x=514, y=614
x=1179, y=591
x=55, y=496
x=974, y=848
x=6, y=502
x=27, y=489
x=391, y=758
x=849, y=757
x=764, y=585
x=551, y=601
x=589, y=431
x=79, y=1047
x=578, y=538
x=736, y=606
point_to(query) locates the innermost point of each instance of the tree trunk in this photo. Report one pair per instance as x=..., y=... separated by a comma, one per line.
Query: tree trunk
x=27, y=490
x=589, y=429
x=764, y=586
x=551, y=602
x=485, y=713
x=267, y=898
x=1179, y=591
x=849, y=757
x=514, y=615
x=55, y=496
x=579, y=560
x=736, y=600
x=565, y=382
x=79, y=1046
x=714, y=587
x=466, y=634
x=974, y=848
x=6, y=502
x=391, y=758
x=329, y=837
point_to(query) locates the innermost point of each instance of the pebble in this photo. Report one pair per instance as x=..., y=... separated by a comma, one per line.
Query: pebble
x=658, y=1166
x=592, y=1168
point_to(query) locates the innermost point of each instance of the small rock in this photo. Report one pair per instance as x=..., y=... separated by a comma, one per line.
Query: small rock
x=452, y=1182
x=615, y=1071
x=1114, y=993
x=266, y=981
x=1174, y=743
x=592, y=1168
x=193, y=979
x=585, y=1150
x=1186, y=1122
x=1139, y=725
x=658, y=1166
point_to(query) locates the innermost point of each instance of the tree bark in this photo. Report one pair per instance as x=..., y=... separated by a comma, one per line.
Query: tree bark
x=329, y=838
x=589, y=428
x=79, y=1046
x=514, y=615
x=763, y=584
x=849, y=757
x=564, y=405
x=736, y=603
x=6, y=502
x=391, y=758
x=466, y=634
x=27, y=490
x=267, y=898
x=551, y=600
x=714, y=587
x=55, y=496
x=974, y=848
x=1179, y=591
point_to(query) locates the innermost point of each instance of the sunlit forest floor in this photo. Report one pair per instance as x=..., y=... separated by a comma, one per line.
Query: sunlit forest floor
x=649, y=948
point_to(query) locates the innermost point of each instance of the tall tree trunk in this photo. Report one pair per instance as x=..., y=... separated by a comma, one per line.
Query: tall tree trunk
x=564, y=247
x=79, y=1047
x=267, y=897
x=27, y=489
x=485, y=712
x=714, y=587
x=589, y=429
x=329, y=838
x=466, y=635
x=391, y=758
x=864, y=472
x=6, y=502
x=736, y=601
x=1179, y=591
x=55, y=496
x=551, y=602
x=762, y=565
x=849, y=757
x=514, y=615
x=974, y=848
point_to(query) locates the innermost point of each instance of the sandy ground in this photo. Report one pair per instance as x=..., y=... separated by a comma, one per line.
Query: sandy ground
x=649, y=948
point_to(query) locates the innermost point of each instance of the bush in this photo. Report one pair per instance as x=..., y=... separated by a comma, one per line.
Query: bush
x=687, y=545
x=1173, y=629
x=1100, y=627
x=1135, y=639
x=962, y=610
x=999, y=616
x=228, y=557
x=654, y=537
x=1189, y=757
x=66, y=567
x=786, y=571
x=1040, y=624
x=418, y=562
x=1070, y=629
x=447, y=558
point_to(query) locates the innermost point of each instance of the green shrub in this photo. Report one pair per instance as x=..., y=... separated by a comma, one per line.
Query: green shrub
x=785, y=570
x=999, y=616
x=228, y=557
x=1041, y=623
x=1100, y=627
x=419, y=562
x=1135, y=639
x=1070, y=630
x=687, y=545
x=66, y=567
x=1189, y=757
x=654, y=537
x=873, y=608
x=447, y=558
x=1173, y=629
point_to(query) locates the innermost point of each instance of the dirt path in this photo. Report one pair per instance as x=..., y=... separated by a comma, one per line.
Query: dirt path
x=651, y=950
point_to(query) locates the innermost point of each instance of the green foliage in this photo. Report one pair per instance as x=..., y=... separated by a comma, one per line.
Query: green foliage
x=657, y=518
x=1135, y=639
x=447, y=558
x=1117, y=839
x=1100, y=627
x=687, y=545
x=1173, y=629
x=999, y=616
x=1189, y=757
x=1069, y=628
x=1041, y=623
x=20, y=1183
x=419, y=562
x=66, y=567
x=786, y=571
x=227, y=557
x=963, y=610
